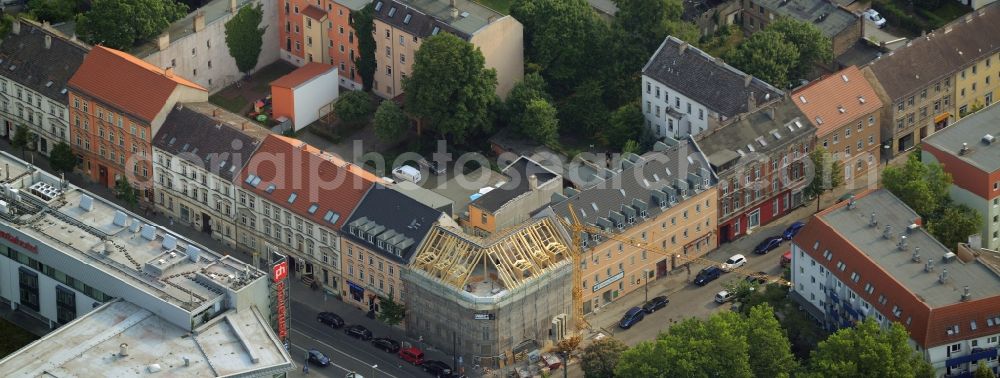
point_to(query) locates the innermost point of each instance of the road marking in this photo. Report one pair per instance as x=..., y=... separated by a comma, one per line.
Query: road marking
x=331, y=362
x=341, y=352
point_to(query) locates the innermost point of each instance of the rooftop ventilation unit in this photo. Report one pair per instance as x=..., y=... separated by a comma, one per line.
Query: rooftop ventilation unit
x=929, y=266
x=949, y=257
x=943, y=277
x=86, y=203
x=873, y=221
x=902, y=243
x=887, y=233
x=988, y=139
x=148, y=232
x=966, y=295
x=169, y=242
x=965, y=149
x=916, y=255
x=193, y=253
x=121, y=219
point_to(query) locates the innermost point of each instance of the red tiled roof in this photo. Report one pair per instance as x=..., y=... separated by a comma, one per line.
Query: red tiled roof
x=314, y=176
x=126, y=82
x=314, y=12
x=825, y=97
x=928, y=327
x=301, y=75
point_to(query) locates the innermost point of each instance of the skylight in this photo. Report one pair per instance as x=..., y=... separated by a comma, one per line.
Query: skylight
x=250, y=179
x=292, y=197
x=256, y=181
x=313, y=208
x=270, y=188
x=435, y=31
x=329, y=215
x=406, y=20
x=378, y=6
x=392, y=11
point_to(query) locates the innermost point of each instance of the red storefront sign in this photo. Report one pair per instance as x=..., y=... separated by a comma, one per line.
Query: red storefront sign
x=280, y=271
x=282, y=311
x=14, y=239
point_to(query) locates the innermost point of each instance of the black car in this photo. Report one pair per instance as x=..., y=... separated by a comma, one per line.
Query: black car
x=358, y=332
x=757, y=278
x=437, y=368
x=318, y=358
x=707, y=275
x=330, y=319
x=386, y=344
x=768, y=244
x=655, y=304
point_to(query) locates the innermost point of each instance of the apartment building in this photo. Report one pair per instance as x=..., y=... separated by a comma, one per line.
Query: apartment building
x=195, y=159
x=401, y=26
x=35, y=95
x=321, y=31
x=380, y=238
x=840, y=25
x=686, y=91
x=871, y=258
x=527, y=187
x=923, y=96
x=845, y=110
x=113, y=119
x=294, y=198
x=195, y=46
x=970, y=152
x=759, y=159
x=664, y=199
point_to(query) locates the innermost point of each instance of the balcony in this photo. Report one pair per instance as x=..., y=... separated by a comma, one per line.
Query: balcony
x=976, y=355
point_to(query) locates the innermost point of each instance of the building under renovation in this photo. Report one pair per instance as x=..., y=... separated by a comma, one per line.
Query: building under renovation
x=493, y=300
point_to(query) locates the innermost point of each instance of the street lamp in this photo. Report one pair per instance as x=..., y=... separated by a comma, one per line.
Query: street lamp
x=645, y=284
x=375, y=366
x=885, y=153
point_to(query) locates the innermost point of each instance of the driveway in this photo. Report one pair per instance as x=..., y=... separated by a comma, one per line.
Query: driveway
x=879, y=35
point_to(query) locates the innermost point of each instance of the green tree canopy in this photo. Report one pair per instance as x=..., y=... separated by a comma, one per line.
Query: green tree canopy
x=62, y=157
x=527, y=90
x=923, y=187
x=126, y=192
x=563, y=37
x=983, y=370
x=766, y=55
x=121, y=24
x=390, y=121
x=955, y=225
x=539, y=122
x=827, y=174
x=353, y=107
x=770, y=351
x=21, y=137
x=244, y=36
x=391, y=312
x=868, y=350
x=363, y=23
x=53, y=11
x=812, y=45
x=585, y=111
x=450, y=88
x=692, y=348
x=627, y=122
x=600, y=358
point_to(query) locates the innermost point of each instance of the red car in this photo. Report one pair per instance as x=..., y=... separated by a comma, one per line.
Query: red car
x=412, y=355
x=786, y=259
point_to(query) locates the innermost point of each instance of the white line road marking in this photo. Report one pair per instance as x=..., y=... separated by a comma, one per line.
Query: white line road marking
x=331, y=362
x=384, y=373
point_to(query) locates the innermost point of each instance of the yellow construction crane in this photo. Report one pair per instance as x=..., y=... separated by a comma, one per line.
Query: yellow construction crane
x=576, y=228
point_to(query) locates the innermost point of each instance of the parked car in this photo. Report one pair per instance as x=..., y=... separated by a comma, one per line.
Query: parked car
x=632, y=316
x=873, y=16
x=768, y=244
x=792, y=230
x=786, y=259
x=437, y=368
x=386, y=344
x=407, y=173
x=433, y=166
x=734, y=262
x=758, y=278
x=330, y=319
x=318, y=358
x=707, y=275
x=412, y=355
x=723, y=296
x=655, y=304
x=358, y=332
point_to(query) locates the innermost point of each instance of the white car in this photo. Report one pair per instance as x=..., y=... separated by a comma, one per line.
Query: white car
x=873, y=16
x=723, y=296
x=734, y=262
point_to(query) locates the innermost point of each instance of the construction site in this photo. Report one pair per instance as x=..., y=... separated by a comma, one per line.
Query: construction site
x=495, y=301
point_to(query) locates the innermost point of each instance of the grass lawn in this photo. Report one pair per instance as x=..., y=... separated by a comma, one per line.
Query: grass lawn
x=502, y=6
x=261, y=80
x=14, y=338
x=232, y=104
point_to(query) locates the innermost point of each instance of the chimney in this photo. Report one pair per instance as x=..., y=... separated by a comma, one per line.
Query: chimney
x=887, y=233
x=454, y=12
x=199, y=21
x=966, y=295
x=916, y=254
x=746, y=80
x=873, y=221
x=123, y=350
x=943, y=277
x=48, y=41
x=965, y=149
x=902, y=243
x=168, y=72
x=163, y=41
x=770, y=114
x=929, y=266
x=232, y=6
x=751, y=102
x=16, y=27
x=683, y=47
x=453, y=3
x=533, y=182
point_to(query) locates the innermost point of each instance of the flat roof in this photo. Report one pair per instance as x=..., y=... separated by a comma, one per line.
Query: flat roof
x=119, y=243
x=184, y=27
x=825, y=15
x=89, y=346
x=972, y=129
x=853, y=225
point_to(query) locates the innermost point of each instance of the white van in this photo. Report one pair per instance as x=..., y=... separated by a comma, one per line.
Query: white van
x=407, y=173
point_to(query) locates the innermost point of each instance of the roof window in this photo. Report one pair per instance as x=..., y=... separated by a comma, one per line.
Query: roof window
x=292, y=197
x=270, y=188
x=406, y=20
x=392, y=11
x=313, y=208
x=378, y=6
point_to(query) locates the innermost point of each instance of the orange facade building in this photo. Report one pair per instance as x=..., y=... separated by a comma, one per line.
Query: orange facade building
x=320, y=31
x=117, y=104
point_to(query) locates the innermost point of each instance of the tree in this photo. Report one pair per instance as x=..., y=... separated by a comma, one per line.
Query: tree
x=126, y=192
x=626, y=123
x=955, y=225
x=646, y=23
x=450, y=88
x=390, y=122
x=121, y=24
x=390, y=312
x=529, y=89
x=539, y=122
x=812, y=45
x=363, y=23
x=692, y=348
x=244, y=37
x=565, y=38
x=600, y=358
x=766, y=55
x=586, y=112
x=771, y=354
x=62, y=157
x=630, y=147
x=983, y=370
x=21, y=138
x=6, y=22
x=53, y=11
x=922, y=187
x=827, y=174
x=868, y=350
x=353, y=108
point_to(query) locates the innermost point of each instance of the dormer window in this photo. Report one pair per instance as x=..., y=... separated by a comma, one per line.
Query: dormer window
x=313, y=208
x=378, y=6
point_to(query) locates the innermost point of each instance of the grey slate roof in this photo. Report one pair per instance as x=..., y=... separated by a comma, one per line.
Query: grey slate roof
x=517, y=184
x=25, y=60
x=956, y=45
x=206, y=142
x=426, y=16
x=765, y=130
x=648, y=184
x=393, y=218
x=971, y=130
x=705, y=79
x=834, y=18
